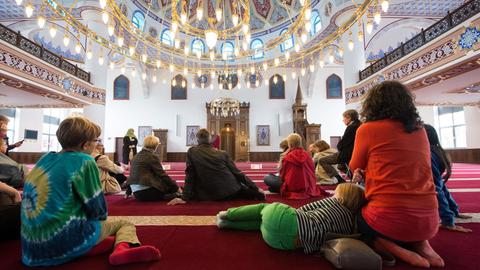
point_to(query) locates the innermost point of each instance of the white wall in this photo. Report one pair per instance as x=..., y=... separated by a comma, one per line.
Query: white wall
x=472, y=116
x=28, y=119
x=159, y=111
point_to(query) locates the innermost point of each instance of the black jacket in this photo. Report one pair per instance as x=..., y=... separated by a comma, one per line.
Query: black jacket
x=9, y=146
x=345, y=145
x=212, y=175
x=146, y=170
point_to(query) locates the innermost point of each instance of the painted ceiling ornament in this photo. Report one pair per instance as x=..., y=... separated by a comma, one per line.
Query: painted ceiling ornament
x=254, y=79
x=469, y=38
x=202, y=81
x=67, y=84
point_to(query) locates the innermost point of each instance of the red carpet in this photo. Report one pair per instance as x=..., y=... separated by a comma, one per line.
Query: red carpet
x=209, y=248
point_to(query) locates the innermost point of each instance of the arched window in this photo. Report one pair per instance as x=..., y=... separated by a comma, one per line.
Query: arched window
x=334, y=86
x=179, y=87
x=227, y=50
x=276, y=86
x=288, y=43
x=316, y=22
x=257, y=46
x=198, y=46
x=138, y=19
x=121, y=88
x=166, y=37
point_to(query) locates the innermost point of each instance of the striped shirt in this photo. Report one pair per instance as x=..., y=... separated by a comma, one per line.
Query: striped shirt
x=318, y=218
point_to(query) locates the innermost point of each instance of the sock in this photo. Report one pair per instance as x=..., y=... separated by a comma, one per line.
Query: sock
x=103, y=247
x=401, y=253
x=123, y=254
x=425, y=250
x=339, y=179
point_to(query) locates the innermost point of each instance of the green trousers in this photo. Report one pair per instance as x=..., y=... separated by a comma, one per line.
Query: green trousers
x=276, y=221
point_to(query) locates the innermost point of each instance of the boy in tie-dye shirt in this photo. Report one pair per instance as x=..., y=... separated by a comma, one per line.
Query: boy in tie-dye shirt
x=64, y=215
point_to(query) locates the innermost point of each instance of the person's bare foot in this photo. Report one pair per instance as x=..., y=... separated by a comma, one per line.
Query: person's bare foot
x=463, y=216
x=456, y=228
x=425, y=250
x=403, y=254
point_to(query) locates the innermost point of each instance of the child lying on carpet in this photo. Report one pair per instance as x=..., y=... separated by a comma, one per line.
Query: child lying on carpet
x=287, y=228
x=447, y=207
x=64, y=215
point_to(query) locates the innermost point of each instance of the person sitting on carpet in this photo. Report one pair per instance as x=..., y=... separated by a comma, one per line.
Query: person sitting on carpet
x=273, y=181
x=11, y=173
x=297, y=173
x=64, y=214
x=212, y=175
x=392, y=148
x=284, y=227
x=148, y=180
x=111, y=175
x=322, y=149
x=447, y=207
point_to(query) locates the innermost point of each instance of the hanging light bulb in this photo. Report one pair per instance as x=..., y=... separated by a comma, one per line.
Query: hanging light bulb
x=239, y=85
x=134, y=73
x=287, y=55
x=248, y=37
x=248, y=84
x=174, y=82
x=350, y=44
x=52, y=31
x=266, y=82
x=360, y=36
x=275, y=79
x=385, y=5
x=257, y=83
x=245, y=29
x=236, y=51
x=111, y=29
x=186, y=50
x=377, y=17
x=312, y=67
x=252, y=69
x=78, y=47
x=101, y=60
x=105, y=17
x=120, y=41
x=284, y=77
x=164, y=81
x=199, y=54
x=66, y=39
x=123, y=69
x=218, y=14
x=184, y=83
x=183, y=17
x=199, y=13
x=29, y=10
x=308, y=26
x=112, y=65
x=154, y=78
x=265, y=66
x=244, y=46
x=144, y=76
x=230, y=86
x=211, y=86
x=199, y=73
x=144, y=57
x=303, y=37
x=185, y=70
x=308, y=13
x=321, y=63
x=170, y=67
x=340, y=51
x=211, y=36
x=240, y=72
x=89, y=54
x=297, y=48
x=302, y=2
x=369, y=27
x=158, y=63
x=177, y=43
x=212, y=55
x=131, y=50
x=174, y=27
x=41, y=21
x=294, y=75
x=103, y=3
x=212, y=74
x=276, y=61
x=235, y=19
x=19, y=2
x=303, y=71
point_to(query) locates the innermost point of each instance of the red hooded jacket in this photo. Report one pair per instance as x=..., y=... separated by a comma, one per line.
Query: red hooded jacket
x=298, y=176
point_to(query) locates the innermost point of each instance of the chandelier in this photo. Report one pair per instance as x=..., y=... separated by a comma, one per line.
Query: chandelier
x=224, y=107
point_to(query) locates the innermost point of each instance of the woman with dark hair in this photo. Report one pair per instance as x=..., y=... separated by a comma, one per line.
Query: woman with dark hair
x=447, y=207
x=392, y=149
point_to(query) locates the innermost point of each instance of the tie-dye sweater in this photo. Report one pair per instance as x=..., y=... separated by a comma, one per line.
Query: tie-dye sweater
x=62, y=207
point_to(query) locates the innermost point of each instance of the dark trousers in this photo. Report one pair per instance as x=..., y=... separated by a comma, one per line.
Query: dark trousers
x=246, y=193
x=327, y=162
x=369, y=234
x=10, y=222
x=273, y=182
x=153, y=194
x=120, y=177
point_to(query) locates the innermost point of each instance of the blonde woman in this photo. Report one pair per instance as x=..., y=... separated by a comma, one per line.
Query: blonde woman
x=129, y=146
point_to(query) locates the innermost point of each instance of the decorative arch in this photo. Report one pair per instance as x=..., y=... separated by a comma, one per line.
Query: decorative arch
x=121, y=88
x=276, y=86
x=178, y=90
x=316, y=22
x=227, y=50
x=334, y=87
x=288, y=43
x=257, y=46
x=166, y=37
x=198, y=46
x=138, y=19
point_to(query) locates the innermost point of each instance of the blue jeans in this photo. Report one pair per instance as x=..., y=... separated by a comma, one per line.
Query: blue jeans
x=447, y=207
